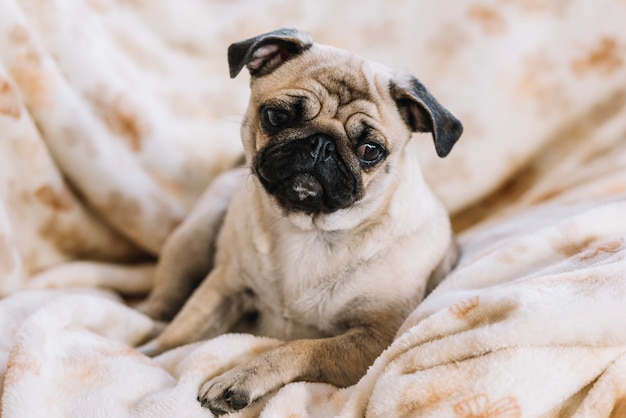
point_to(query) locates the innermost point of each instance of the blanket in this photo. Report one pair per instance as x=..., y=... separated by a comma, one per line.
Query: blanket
x=115, y=115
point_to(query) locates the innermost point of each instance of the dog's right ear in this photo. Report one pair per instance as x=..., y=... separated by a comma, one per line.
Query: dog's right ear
x=264, y=53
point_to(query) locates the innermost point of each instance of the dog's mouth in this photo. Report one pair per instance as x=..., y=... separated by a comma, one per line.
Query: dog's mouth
x=303, y=192
x=305, y=186
x=307, y=175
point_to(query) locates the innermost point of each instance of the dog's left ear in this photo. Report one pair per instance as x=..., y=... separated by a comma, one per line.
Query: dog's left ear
x=423, y=113
x=264, y=53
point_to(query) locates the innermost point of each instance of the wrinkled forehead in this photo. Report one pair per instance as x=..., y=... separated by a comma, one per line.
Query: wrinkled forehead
x=330, y=74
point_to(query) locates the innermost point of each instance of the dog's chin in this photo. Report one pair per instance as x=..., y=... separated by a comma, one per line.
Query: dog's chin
x=304, y=193
x=340, y=220
x=304, y=201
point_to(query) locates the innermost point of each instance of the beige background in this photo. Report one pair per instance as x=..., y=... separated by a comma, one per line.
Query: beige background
x=114, y=116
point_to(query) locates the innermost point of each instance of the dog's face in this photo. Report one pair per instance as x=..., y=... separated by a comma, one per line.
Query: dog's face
x=325, y=128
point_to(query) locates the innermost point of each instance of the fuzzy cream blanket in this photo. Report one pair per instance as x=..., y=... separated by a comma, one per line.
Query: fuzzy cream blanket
x=116, y=114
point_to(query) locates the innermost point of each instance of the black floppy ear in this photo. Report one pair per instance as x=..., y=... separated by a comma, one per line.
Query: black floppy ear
x=264, y=53
x=423, y=113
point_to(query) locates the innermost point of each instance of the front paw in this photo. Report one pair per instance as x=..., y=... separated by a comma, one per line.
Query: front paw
x=227, y=393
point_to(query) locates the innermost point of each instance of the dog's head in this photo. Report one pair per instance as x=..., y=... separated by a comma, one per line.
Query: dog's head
x=324, y=126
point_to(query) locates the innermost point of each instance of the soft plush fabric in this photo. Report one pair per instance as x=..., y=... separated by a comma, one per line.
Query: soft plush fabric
x=115, y=115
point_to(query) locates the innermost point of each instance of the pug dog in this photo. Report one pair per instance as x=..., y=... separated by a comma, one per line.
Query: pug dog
x=327, y=239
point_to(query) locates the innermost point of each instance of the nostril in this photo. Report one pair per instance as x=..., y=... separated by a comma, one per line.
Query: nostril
x=322, y=147
x=328, y=150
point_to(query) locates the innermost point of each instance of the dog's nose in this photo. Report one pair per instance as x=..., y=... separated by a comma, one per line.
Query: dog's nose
x=322, y=147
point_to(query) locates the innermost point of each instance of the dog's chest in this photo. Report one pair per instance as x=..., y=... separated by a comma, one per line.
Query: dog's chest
x=299, y=281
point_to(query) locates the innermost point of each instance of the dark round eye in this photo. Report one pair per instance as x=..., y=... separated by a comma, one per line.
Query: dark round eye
x=370, y=152
x=276, y=118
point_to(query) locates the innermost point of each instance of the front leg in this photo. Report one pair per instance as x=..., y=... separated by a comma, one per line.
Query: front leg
x=212, y=310
x=188, y=254
x=339, y=360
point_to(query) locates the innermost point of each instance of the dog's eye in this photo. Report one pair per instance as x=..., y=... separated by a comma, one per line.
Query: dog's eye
x=370, y=153
x=277, y=118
